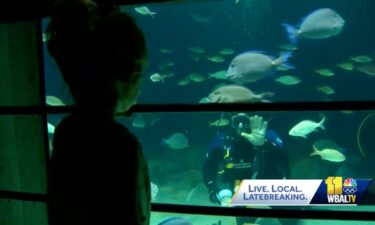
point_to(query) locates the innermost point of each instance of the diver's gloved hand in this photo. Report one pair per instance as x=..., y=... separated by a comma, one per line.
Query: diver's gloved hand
x=258, y=131
x=225, y=197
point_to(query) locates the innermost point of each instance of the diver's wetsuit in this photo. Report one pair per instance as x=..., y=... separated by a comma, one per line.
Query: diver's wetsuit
x=229, y=160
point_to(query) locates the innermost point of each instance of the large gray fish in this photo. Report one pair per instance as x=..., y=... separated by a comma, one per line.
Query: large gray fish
x=176, y=141
x=237, y=94
x=320, y=24
x=254, y=65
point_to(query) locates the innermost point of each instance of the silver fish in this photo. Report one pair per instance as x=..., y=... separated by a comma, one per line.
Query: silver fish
x=176, y=141
x=154, y=191
x=51, y=128
x=320, y=24
x=252, y=66
x=332, y=155
x=237, y=94
x=305, y=127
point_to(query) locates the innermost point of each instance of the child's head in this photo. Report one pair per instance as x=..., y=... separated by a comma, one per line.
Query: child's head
x=100, y=52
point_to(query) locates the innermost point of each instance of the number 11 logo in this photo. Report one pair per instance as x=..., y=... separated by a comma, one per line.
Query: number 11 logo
x=334, y=185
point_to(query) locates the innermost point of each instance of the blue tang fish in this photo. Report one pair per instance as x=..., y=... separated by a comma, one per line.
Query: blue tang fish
x=320, y=24
x=254, y=65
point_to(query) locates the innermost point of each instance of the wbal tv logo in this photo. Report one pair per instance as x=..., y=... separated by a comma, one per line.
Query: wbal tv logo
x=339, y=192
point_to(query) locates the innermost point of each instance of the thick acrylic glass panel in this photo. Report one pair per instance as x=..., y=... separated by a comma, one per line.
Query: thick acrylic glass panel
x=22, y=156
x=157, y=219
x=188, y=42
x=176, y=145
x=16, y=212
x=19, y=64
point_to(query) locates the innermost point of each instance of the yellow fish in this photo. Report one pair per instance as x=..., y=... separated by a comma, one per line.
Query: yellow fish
x=54, y=101
x=332, y=155
x=216, y=59
x=361, y=59
x=325, y=72
x=326, y=90
x=346, y=66
x=288, y=80
x=219, y=123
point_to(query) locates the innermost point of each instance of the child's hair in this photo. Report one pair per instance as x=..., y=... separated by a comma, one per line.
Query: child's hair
x=95, y=46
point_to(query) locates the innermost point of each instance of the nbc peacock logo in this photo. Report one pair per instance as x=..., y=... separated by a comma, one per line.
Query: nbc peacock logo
x=350, y=186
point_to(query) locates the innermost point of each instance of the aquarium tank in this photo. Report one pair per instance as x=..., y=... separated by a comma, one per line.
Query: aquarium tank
x=252, y=52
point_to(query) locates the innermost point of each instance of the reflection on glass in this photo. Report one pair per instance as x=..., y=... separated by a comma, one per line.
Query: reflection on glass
x=158, y=218
x=182, y=219
x=22, y=161
x=22, y=212
x=236, y=52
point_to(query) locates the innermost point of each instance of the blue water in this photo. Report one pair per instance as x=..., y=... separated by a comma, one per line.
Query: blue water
x=249, y=25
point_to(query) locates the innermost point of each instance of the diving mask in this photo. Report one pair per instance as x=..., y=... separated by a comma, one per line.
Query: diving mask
x=241, y=121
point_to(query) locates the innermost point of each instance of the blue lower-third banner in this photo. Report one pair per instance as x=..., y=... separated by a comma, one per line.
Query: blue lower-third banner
x=331, y=191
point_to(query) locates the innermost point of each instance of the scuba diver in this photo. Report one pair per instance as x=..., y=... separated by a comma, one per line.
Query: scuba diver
x=248, y=151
